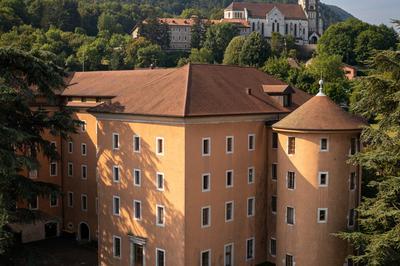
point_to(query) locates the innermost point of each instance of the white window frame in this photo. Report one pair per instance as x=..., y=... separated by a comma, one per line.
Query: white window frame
x=114, y=205
x=84, y=196
x=115, y=146
x=226, y=178
x=327, y=144
x=37, y=204
x=287, y=180
x=56, y=169
x=54, y=143
x=157, y=223
x=113, y=173
x=319, y=178
x=233, y=252
x=55, y=205
x=83, y=151
x=248, y=176
x=209, y=256
x=134, y=210
x=134, y=138
x=226, y=144
x=287, y=146
x=70, y=195
x=84, y=166
x=209, y=217
x=163, y=177
x=70, y=147
x=162, y=146
x=326, y=215
x=289, y=254
x=232, y=213
x=254, y=142
x=163, y=251
x=294, y=215
x=270, y=246
x=83, y=126
x=136, y=170
x=70, y=165
x=120, y=247
x=253, y=248
x=209, y=182
x=209, y=147
x=253, y=206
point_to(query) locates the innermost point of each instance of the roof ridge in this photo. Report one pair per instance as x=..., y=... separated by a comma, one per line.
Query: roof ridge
x=188, y=79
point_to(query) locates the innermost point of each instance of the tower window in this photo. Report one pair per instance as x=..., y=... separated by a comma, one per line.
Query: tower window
x=205, y=258
x=272, y=247
x=324, y=144
x=322, y=215
x=117, y=247
x=290, y=215
x=250, y=249
x=251, y=142
x=229, y=145
x=229, y=178
x=229, y=211
x=250, y=175
x=250, y=206
x=291, y=145
x=353, y=180
x=289, y=260
x=291, y=180
x=274, y=140
x=115, y=141
x=323, y=179
x=206, y=185
x=351, y=218
x=274, y=170
x=273, y=204
x=206, y=149
x=205, y=216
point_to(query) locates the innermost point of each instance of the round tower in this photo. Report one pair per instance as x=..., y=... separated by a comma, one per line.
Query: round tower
x=317, y=190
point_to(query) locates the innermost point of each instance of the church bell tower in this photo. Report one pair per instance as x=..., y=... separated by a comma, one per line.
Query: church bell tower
x=312, y=9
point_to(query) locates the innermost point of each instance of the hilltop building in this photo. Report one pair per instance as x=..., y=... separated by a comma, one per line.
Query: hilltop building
x=203, y=164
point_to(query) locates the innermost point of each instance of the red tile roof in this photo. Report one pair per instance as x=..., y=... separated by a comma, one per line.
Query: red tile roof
x=320, y=114
x=189, y=22
x=260, y=10
x=192, y=90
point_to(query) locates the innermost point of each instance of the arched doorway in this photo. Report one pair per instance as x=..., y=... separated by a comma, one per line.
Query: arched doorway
x=84, y=232
x=50, y=229
x=314, y=40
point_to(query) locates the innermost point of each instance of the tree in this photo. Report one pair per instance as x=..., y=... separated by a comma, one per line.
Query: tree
x=232, y=52
x=197, y=33
x=149, y=55
x=277, y=44
x=133, y=47
x=21, y=131
x=376, y=97
x=156, y=32
x=255, y=50
x=108, y=22
x=328, y=67
x=278, y=67
x=218, y=36
x=191, y=12
x=202, y=56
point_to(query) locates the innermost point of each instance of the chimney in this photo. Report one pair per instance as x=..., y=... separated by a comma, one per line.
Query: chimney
x=248, y=91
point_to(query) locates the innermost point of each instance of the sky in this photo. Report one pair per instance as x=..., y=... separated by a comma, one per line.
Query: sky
x=371, y=11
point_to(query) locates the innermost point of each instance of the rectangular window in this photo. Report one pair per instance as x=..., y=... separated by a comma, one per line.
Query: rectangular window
x=228, y=255
x=115, y=141
x=250, y=249
x=83, y=149
x=274, y=204
x=70, y=199
x=84, y=202
x=160, y=146
x=291, y=180
x=205, y=258
x=97, y=205
x=274, y=140
x=324, y=146
x=206, y=147
x=205, y=216
x=323, y=179
x=290, y=218
x=83, y=126
x=137, y=210
x=229, y=145
x=229, y=211
x=33, y=174
x=137, y=177
x=353, y=146
x=160, y=257
x=83, y=171
x=322, y=215
x=351, y=218
x=274, y=171
x=251, y=206
x=251, y=142
x=160, y=217
x=229, y=178
x=160, y=181
x=291, y=145
x=136, y=143
x=70, y=147
x=116, y=247
x=353, y=180
x=53, y=200
x=205, y=183
x=272, y=247
x=34, y=203
x=70, y=169
x=53, y=168
x=116, y=173
x=250, y=175
x=116, y=205
x=289, y=260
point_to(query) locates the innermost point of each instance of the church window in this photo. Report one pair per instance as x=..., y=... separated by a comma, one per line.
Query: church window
x=262, y=29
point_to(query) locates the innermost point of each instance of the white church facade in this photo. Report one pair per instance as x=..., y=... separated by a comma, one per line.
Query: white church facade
x=302, y=21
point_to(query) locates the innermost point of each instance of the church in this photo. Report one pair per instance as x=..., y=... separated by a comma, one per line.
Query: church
x=302, y=21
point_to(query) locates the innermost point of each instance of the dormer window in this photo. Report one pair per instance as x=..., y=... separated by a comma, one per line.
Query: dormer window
x=287, y=100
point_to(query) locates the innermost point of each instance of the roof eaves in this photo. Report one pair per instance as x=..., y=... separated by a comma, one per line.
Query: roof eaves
x=187, y=99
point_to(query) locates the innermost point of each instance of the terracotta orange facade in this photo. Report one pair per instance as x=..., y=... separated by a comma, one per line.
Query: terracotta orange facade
x=211, y=168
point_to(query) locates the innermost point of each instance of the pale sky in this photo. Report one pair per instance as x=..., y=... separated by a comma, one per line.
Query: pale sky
x=371, y=11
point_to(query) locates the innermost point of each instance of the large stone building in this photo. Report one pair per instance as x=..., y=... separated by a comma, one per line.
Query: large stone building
x=203, y=164
x=303, y=20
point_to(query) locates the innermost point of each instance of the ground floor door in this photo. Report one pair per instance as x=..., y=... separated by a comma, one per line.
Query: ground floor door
x=50, y=229
x=84, y=233
x=137, y=255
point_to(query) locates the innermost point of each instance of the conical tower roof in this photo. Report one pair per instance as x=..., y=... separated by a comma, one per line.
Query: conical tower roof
x=320, y=113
